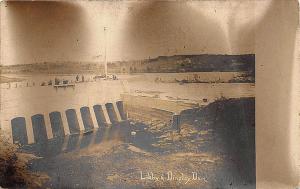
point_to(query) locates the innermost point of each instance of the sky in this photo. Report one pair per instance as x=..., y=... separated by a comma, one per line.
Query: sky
x=35, y=31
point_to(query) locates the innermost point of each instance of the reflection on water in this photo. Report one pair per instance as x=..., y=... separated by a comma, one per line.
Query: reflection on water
x=62, y=144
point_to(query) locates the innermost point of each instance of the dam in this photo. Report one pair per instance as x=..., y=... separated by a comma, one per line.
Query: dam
x=40, y=126
x=61, y=131
x=35, y=114
x=97, y=126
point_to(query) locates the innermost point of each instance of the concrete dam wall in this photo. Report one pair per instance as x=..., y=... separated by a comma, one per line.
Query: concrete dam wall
x=40, y=128
x=145, y=109
x=54, y=132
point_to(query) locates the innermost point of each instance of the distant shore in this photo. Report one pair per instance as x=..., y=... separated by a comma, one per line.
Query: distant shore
x=4, y=79
x=161, y=64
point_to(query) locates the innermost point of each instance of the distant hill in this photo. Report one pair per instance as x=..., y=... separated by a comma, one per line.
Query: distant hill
x=176, y=63
x=205, y=62
x=54, y=68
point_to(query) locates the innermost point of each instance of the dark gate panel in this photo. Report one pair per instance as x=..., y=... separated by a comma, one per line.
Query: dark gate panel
x=19, y=132
x=99, y=115
x=111, y=112
x=86, y=118
x=72, y=121
x=56, y=124
x=121, y=110
x=39, y=128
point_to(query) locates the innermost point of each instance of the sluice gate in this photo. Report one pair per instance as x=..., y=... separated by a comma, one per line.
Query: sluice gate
x=74, y=128
x=58, y=131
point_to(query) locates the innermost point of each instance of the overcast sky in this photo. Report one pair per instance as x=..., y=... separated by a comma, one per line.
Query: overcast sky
x=65, y=31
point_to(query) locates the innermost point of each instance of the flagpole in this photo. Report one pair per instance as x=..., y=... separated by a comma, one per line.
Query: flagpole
x=105, y=61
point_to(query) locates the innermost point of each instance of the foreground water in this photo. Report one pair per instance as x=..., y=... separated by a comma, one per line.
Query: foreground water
x=217, y=147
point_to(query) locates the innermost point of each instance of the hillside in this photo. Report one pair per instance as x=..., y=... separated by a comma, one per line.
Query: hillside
x=162, y=64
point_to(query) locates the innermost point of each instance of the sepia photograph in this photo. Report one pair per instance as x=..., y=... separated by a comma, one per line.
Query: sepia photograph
x=127, y=94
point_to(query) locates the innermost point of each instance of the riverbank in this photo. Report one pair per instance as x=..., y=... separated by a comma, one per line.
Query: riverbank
x=14, y=171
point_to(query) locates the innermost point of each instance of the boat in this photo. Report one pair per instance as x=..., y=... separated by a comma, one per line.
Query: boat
x=66, y=85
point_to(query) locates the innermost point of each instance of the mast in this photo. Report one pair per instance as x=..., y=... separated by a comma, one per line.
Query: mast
x=105, y=61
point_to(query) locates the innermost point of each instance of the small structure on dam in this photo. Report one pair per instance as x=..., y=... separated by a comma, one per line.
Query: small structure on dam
x=146, y=109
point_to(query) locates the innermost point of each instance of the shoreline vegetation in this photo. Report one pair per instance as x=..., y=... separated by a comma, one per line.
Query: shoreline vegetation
x=239, y=78
x=4, y=79
x=14, y=171
x=244, y=65
x=161, y=64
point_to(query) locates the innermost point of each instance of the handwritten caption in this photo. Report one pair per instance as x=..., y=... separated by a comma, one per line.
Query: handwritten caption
x=170, y=176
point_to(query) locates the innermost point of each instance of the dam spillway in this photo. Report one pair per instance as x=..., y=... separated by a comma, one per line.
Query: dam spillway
x=38, y=128
x=51, y=133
